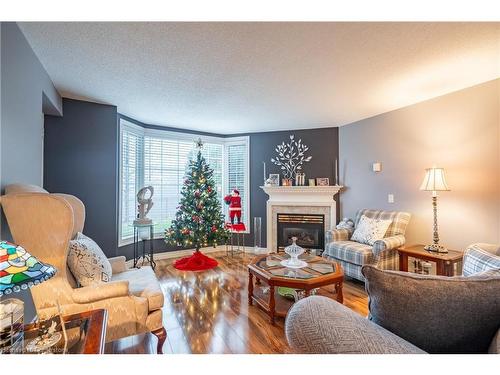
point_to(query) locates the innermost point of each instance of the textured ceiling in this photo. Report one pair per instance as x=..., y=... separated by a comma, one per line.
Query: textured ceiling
x=245, y=77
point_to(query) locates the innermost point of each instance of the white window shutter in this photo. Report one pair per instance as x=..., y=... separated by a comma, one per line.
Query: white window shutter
x=160, y=158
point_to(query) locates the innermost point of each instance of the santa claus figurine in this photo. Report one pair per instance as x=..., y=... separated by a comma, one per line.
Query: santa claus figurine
x=234, y=202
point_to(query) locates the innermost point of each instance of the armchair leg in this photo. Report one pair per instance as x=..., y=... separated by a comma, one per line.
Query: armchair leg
x=161, y=334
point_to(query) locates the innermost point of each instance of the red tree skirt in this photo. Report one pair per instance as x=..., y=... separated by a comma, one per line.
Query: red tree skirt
x=196, y=262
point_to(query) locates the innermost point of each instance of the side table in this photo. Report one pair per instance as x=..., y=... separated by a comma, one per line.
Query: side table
x=86, y=332
x=138, y=228
x=238, y=231
x=445, y=262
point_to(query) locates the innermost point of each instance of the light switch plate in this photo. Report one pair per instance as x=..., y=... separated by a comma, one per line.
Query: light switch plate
x=377, y=167
x=390, y=198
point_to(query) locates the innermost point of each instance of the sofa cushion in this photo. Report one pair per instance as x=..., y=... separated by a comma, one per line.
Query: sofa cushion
x=336, y=329
x=143, y=283
x=438, y=314
x=476, y=259
x=399, y=220
x=370, y=230
x=350, y=251
x=87, y=262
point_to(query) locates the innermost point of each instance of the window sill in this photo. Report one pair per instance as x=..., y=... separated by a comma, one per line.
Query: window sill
x=130, y=241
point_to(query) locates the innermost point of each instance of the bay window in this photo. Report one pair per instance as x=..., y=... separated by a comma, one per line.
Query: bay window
x=159, y=158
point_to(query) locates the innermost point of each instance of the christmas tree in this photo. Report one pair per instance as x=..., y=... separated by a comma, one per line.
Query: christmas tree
x=199, y=221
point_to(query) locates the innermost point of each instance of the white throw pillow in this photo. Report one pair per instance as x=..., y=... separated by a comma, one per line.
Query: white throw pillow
x=370, y=230
x=87, y=261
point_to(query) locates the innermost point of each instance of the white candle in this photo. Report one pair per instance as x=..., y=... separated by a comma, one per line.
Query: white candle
x=264, y=171
x=336, y=171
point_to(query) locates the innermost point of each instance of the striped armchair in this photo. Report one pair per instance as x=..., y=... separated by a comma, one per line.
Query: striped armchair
x=354, y=255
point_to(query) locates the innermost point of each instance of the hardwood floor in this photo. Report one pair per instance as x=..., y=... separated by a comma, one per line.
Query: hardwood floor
x=208, y=312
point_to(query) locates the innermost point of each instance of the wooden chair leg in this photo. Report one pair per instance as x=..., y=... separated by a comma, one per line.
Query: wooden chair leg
x=161, y=334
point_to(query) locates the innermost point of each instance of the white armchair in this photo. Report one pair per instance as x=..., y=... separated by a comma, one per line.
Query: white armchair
x=44, y=224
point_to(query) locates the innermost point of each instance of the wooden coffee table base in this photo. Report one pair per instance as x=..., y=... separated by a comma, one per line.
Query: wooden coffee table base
x=275, y=304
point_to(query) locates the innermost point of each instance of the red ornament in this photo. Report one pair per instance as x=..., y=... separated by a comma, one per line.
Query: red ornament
x=214, y=228
x=197, y=193
x=196, y=218
x=209, y=189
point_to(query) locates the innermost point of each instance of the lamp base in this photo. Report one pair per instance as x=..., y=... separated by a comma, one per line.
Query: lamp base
x=11, y=326
x=436, y=248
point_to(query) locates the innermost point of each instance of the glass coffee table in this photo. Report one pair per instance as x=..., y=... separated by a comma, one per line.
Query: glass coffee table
x=268, y=269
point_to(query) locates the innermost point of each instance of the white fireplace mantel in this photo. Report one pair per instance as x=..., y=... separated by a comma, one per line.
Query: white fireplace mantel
x=295, y=199
x=301, y=193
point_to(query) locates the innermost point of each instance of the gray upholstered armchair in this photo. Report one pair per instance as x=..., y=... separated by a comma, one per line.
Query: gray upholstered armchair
x=353, y=255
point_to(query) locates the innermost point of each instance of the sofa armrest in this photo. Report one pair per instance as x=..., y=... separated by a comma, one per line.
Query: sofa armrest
x=118, y=264
x=101, y=291
x=495, y=344
x=323, y=326
x=337, y=235
x=388, y=243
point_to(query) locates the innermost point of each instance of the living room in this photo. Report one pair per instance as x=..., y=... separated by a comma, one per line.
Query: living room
x=250, y=188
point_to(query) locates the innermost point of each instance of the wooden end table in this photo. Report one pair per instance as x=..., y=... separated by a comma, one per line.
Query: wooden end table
x=90, y=326
x=268, y=269
x=445, y=262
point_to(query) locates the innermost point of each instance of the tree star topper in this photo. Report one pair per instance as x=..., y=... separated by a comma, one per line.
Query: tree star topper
x=198, y=143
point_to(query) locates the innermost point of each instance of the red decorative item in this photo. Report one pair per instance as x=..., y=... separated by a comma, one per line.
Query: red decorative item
x=237, y=227
x=196, y=262
x=234, y=202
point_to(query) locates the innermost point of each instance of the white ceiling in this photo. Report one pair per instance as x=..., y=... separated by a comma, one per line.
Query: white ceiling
x=247, y=77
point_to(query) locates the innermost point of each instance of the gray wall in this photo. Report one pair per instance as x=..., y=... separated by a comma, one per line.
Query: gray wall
x=81, y=151
x=81, y=158
x=460, y=132
x=26, y=94
x=323, y=147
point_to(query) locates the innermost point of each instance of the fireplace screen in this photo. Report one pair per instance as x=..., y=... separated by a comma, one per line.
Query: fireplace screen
x=309, y=230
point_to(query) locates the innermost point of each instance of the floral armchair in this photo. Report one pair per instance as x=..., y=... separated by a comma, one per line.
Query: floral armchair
x=353, y=255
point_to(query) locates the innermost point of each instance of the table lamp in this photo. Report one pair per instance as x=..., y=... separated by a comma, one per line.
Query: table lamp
x=434, y=181
x=19, y=270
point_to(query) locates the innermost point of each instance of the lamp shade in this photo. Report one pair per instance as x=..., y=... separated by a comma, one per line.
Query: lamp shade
x=20, y=270
x=434, y=180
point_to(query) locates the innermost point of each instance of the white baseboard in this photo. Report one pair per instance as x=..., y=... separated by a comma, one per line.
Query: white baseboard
x=187, y=252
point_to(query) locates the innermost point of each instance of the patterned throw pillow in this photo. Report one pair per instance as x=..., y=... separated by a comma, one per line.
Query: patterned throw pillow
x=370, y=230
x=477, y=260
x=87, y=262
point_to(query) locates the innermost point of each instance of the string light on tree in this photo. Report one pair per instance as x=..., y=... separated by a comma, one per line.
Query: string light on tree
x=199, y=220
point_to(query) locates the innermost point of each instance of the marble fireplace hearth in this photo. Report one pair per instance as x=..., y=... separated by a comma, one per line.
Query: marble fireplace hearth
x=307, y=200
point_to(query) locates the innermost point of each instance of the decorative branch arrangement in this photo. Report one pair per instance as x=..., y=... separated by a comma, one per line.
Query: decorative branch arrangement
x=291, y=157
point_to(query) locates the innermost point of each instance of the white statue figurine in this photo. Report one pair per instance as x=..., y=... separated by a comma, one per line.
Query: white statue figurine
x=144, y=205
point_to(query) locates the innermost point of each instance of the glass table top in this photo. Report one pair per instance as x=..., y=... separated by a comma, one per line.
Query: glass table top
x=316, y=266
x=72, y=341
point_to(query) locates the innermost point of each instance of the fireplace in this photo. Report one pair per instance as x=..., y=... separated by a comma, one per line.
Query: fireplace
x=308, y=228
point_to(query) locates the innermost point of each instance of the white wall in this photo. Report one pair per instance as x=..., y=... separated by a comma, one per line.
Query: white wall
x=460, y=132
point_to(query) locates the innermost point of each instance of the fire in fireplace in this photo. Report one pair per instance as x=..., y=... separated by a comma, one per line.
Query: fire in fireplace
x=309, y=230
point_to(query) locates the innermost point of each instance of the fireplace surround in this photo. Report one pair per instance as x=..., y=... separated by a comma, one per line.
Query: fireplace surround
x=303, y=200
x=309, y=229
